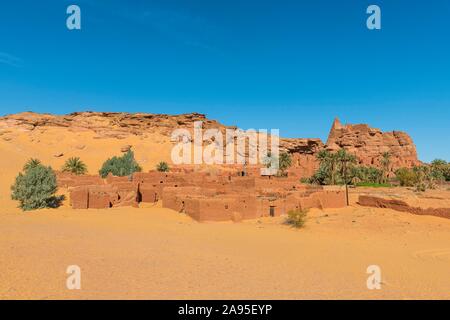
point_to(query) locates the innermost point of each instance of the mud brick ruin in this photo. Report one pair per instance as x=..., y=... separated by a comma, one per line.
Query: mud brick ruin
x=219, y=193
x=220, y=196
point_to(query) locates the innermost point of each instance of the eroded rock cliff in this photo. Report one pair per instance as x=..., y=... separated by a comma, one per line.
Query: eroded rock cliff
x=367, y=143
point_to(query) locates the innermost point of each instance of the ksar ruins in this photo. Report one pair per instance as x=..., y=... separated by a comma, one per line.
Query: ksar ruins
x=229, y=192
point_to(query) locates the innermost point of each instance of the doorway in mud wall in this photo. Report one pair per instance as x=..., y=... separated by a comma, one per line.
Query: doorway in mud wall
x=272, y=211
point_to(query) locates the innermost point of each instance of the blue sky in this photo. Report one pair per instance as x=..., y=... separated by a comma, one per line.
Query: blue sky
x=292, y=65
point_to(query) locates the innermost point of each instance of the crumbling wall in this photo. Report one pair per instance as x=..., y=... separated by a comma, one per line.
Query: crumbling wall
x=398, y=205
x=203, y=196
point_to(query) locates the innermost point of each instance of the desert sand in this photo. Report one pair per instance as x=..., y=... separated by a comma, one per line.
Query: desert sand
x=156, y=253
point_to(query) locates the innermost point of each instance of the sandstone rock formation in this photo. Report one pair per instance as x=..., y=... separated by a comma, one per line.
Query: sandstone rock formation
x=107, y=124
x=368, y=144
x=303, y=151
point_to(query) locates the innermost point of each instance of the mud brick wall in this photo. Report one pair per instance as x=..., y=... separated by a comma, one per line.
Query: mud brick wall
x=66, y=180
x=398, y=205
x=79, y=198
x=203, y=196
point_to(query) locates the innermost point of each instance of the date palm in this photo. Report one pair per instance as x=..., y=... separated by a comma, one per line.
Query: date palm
x=32, y=163
x=385, y=163
x=285, y=162
x=329, y=164
x=162, y=167
x=75, y=165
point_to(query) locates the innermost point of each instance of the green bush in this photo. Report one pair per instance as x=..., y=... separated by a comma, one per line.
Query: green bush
x=425, y=178
x=74, y=165
x=406, y=177
x=305, y=180
x=162, y=167
x=420, y=177
x=296, y=218
x=120, y=166
x=35, y=188
x=440, y=170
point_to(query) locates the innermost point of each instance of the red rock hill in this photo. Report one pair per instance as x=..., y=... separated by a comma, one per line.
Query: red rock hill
x=365, y=142
x=368, y=144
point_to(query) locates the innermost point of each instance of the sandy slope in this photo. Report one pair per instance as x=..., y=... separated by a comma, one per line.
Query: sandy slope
x=157, y=253
x=44, y=143
x=153, y=252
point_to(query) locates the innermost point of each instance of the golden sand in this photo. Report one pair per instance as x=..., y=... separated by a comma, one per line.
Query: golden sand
x=156, y=253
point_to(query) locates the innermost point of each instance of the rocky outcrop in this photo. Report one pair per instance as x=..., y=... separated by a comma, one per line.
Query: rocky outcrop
x=303, y=151
x=301, y=145
x=107, y=124
x=368, y=144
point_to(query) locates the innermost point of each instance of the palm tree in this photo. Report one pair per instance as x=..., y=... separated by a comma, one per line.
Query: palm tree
x=344, y=158
x=74, y=165
x=385, y=163
x=32, y=163
x=328, y=162
x=162, y=167
x=285, y=162
x=269, y=160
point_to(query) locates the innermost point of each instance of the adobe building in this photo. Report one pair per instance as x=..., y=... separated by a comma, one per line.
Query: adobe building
x=222, y=195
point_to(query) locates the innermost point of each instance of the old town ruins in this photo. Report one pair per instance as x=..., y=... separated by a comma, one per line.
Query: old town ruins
x=213, y=192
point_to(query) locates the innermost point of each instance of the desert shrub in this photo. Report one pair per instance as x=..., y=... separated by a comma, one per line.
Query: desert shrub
x=406, y=177
x=305, y=180
x=440, y=170
x=120, y=166
x=35, y=188
x=447, y=172
x=74, y=165
x=296, y=218
x=420, y=177
x=425, y=178
x=162, y=167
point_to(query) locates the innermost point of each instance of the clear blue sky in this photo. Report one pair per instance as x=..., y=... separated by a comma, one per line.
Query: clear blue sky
x=292, y=65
